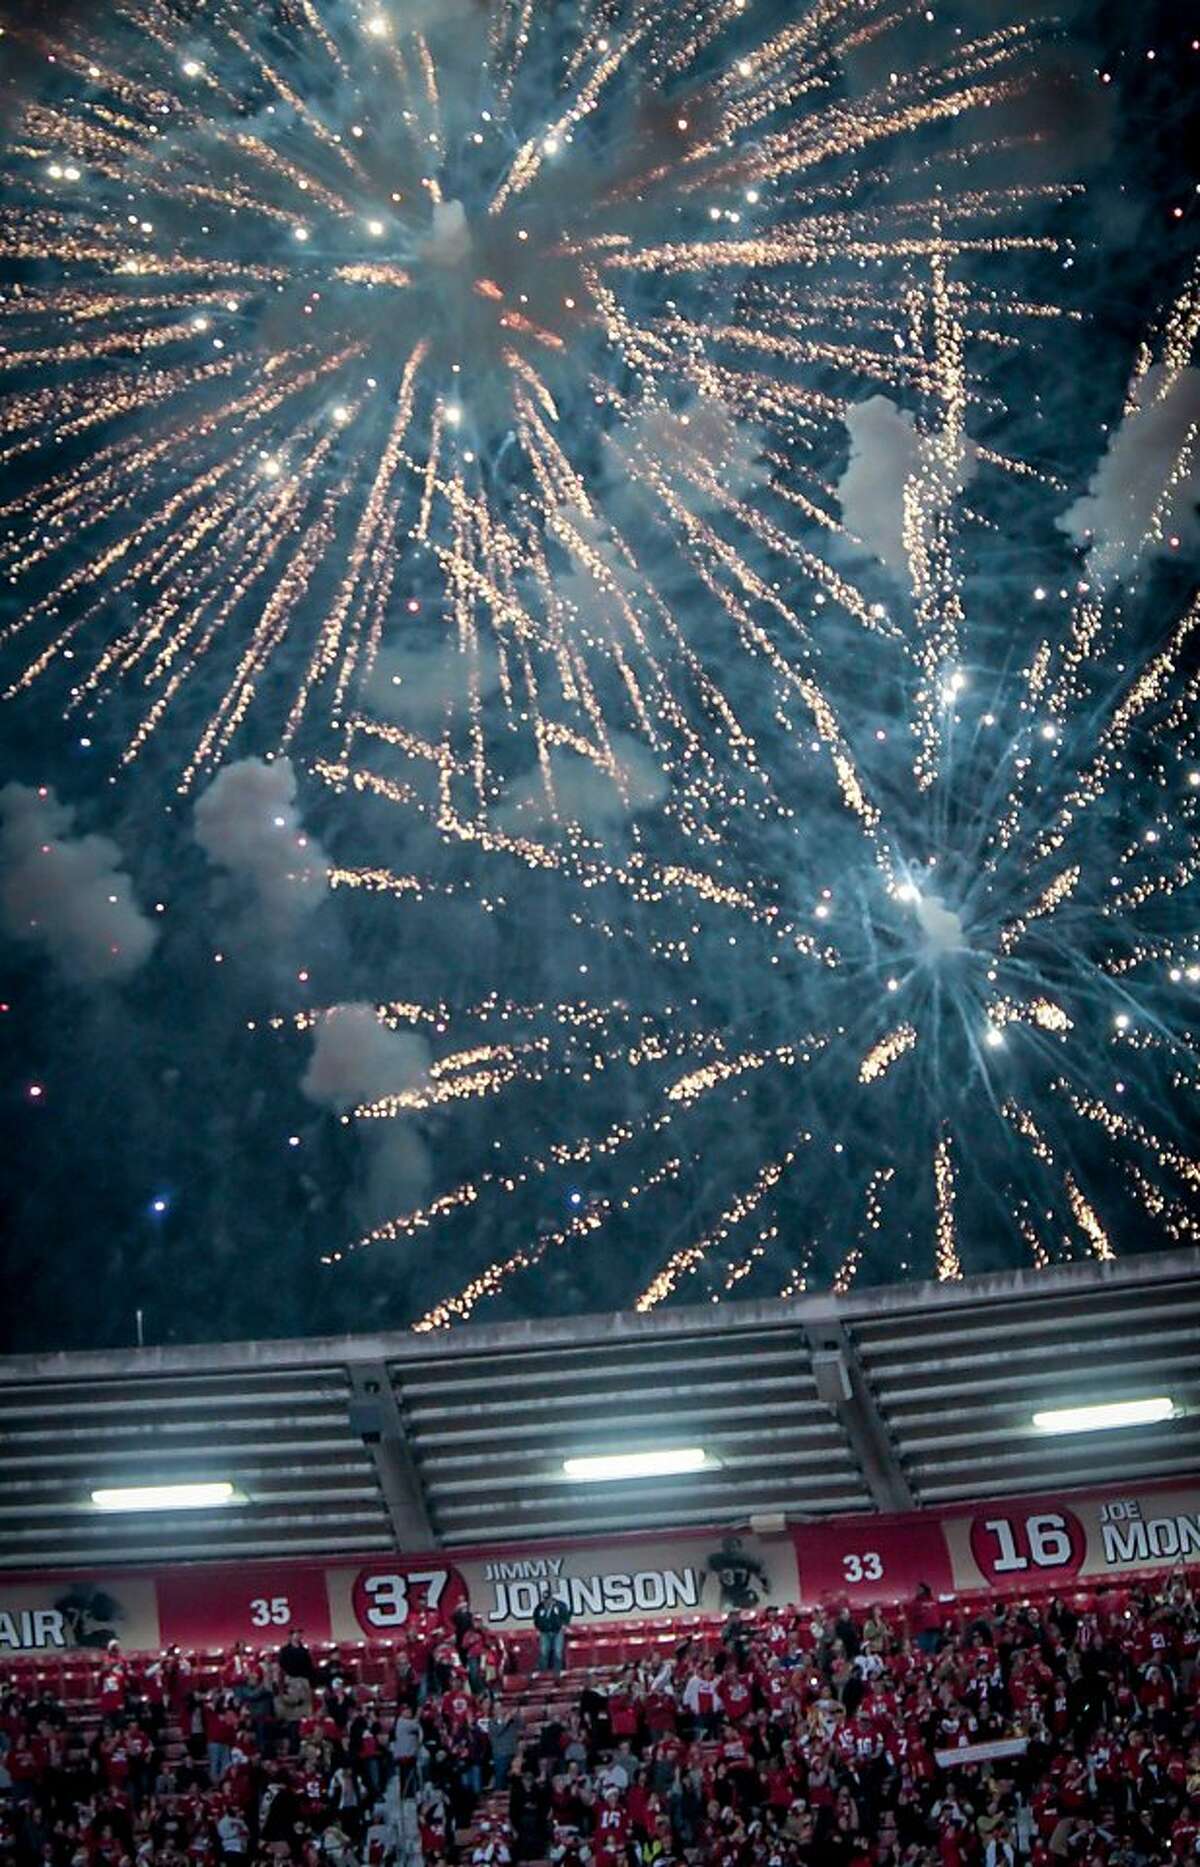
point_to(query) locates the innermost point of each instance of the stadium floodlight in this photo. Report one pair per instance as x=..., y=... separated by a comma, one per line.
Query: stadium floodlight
x=1107, y=1414
x=663, y=1464
x=165, y=1497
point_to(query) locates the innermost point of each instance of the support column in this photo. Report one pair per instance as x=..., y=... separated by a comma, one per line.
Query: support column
x=375, y=1417
x=842, y=1385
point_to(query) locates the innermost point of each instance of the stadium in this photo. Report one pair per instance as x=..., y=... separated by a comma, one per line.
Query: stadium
x=599, y=836
x=784, y=1490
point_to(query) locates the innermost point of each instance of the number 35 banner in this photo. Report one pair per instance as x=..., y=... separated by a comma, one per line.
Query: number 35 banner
x=1012, y=1546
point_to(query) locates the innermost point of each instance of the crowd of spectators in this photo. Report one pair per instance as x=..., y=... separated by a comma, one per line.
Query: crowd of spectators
x=787, y=1738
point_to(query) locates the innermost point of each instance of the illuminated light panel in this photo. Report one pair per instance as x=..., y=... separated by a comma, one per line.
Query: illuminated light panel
x=1106, y=1415
x=612, y=1465
x=166, y=1497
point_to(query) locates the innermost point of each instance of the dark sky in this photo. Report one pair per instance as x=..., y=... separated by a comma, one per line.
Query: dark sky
x=160, y=1152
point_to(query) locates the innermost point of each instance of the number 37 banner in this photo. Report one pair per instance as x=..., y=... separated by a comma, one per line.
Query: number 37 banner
x=1009, y=1546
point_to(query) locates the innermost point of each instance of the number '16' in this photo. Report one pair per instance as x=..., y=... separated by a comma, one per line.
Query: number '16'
x=1046, y=1542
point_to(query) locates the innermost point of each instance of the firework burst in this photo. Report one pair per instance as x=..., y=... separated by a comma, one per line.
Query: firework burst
x=460, y=406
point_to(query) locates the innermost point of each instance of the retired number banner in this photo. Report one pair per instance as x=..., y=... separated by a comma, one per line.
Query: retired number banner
x=1009, y=1547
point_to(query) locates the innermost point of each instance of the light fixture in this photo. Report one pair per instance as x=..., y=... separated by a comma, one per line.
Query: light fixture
x=638, y=1464
x=165, y=1497
x=1107, y=1414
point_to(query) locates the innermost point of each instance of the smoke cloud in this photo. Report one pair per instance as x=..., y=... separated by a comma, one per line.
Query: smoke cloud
x=398, y=1173
x=449, y=242
x=68, y=893
x=415, y=686
x=1146, y=488
x=718, y=456
x=247, y=823
x=413, y=16
x=886, y=452
x=941, y=926
x=357, y=1059
x=586, y=793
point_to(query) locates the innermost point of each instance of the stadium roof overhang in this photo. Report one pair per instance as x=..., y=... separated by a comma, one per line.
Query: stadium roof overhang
x=888, y=1398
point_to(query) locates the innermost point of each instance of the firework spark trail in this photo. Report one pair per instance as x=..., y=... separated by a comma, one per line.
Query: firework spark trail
x=366, y=562
x=477, y=439
x=949, y=1268
x=689, y=1258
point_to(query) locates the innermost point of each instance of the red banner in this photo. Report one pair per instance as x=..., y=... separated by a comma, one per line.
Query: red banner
x=211, y=1607
x=1014, y=1546
x=865, y=1559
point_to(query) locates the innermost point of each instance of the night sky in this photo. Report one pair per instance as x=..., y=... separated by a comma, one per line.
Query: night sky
x=598, y=702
